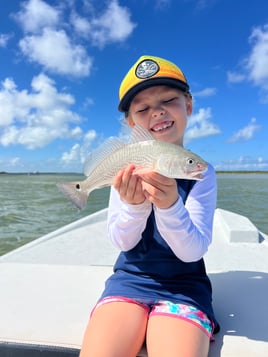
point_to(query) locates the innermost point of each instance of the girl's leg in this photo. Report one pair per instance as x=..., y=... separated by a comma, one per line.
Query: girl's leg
x=174, y=337
x=115, y=329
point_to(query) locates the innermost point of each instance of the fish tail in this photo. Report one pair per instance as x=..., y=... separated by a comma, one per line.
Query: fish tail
x=75, y=192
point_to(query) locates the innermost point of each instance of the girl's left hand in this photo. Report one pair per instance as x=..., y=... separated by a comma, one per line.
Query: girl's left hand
x=159, y=190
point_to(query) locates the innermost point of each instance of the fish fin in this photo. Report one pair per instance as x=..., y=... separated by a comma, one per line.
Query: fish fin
x=97, y=156
x=75, y=192
x=139, y=133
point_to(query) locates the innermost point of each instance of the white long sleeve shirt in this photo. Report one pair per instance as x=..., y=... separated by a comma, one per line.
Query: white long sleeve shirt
x=186, y=228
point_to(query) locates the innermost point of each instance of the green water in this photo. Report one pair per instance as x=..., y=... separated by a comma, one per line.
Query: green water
x=32, y=206
x=245, y=194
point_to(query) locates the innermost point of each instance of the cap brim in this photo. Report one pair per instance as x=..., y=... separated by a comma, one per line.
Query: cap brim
x=172, y=82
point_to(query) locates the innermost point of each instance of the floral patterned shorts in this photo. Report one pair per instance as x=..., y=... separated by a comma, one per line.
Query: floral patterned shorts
x=162, y=307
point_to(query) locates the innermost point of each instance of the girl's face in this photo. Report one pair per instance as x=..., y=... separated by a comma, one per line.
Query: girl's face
x=163, y=111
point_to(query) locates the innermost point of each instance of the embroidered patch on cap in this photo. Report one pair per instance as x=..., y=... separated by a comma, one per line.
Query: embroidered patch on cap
x=147, y=69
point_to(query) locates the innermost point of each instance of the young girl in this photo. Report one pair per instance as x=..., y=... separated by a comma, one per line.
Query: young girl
x=159, y=293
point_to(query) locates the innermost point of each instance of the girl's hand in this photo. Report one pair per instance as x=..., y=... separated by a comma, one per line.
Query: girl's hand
x=129, y=186
x=159, y=190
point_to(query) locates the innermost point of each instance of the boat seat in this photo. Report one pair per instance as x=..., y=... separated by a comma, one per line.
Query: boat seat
x=49, y=306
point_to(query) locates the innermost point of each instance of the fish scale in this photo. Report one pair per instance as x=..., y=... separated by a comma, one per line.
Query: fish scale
x=130, y=154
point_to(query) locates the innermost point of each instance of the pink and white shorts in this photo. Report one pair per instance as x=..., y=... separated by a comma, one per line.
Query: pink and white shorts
x=167, y=308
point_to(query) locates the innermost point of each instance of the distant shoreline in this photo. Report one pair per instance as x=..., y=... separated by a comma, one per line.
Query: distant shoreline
x=40, y=173
x=242, y=172
x=79, y=173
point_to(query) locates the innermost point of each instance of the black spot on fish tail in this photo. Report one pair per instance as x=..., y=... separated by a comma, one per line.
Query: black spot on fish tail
x=75, y=193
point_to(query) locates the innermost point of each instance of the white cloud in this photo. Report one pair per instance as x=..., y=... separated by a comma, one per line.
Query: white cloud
x=37, y=14
x=245, y=133
x=47, y=43
x=243, y=163
x=254, y=67
x=114, y=25
x=206, y=92
x=12, y=102
x=257, y=62
x=67, y=59
x=12, y=164
x=36, y=118
x=4, y=38
x=71, y=156
x=78, y=152
x=235, y=77
x=200, y=125
x=57, y=41
x=81, y=25
x=15, y=161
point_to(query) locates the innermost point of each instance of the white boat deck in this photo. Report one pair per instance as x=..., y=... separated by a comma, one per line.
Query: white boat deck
x=49, y=286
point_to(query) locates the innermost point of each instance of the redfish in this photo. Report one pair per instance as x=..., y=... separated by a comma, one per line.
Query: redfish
x=143, y=151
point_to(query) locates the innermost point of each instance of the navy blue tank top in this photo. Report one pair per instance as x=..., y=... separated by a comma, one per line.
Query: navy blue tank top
x=152, y=271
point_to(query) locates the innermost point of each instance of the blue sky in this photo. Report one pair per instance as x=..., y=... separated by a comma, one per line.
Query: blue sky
x=62, y=62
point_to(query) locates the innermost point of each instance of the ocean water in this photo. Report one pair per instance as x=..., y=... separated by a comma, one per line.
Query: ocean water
x=245, y=194
x=31, y=205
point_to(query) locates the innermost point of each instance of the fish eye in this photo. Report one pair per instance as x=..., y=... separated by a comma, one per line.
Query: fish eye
x=190, y=161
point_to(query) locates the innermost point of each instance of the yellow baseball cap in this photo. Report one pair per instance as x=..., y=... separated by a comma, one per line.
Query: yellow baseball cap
x=149, y=71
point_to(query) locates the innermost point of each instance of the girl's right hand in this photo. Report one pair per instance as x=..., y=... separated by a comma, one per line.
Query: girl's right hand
x=129, y=186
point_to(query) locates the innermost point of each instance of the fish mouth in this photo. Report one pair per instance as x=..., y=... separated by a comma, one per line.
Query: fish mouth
x=197, y=176
x=162, y=127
